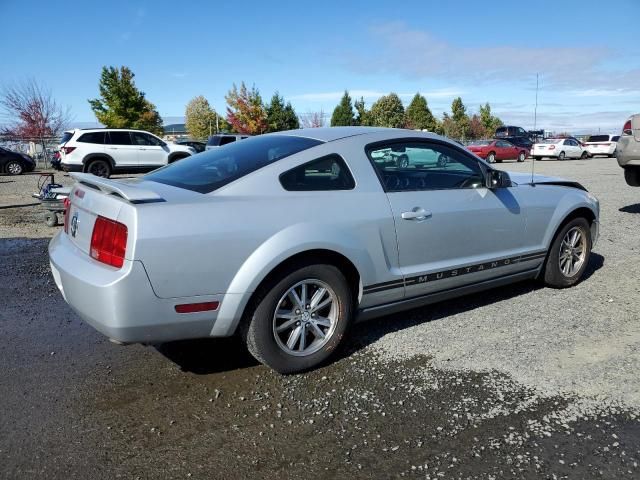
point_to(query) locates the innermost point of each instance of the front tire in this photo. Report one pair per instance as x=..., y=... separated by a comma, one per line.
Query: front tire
x=569, y=254
x=14, y=168
x=299, y=319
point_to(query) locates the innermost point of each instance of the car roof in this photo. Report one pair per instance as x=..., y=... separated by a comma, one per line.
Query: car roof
x=329, y=134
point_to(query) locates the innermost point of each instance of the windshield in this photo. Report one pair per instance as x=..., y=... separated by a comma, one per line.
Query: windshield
x=598, y=138
x=215, y=168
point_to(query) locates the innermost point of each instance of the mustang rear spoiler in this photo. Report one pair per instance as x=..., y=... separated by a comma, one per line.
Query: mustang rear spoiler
x=112, y=187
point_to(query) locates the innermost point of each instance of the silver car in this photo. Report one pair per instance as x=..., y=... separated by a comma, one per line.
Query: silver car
x=288, y=238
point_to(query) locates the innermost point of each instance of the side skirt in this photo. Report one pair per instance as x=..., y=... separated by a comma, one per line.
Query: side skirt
x=415, y=302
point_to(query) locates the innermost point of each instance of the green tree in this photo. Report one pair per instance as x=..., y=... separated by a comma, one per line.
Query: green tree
x=343, y=113
x=362, y=114
x=388, y=111
x=280, y=116
x=122, y=105
x=418, y=116
x=489, y=121
x=460, y=119
x=245, y=111
x=200, y=118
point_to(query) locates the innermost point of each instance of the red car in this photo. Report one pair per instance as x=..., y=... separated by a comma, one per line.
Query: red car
x=498, y=150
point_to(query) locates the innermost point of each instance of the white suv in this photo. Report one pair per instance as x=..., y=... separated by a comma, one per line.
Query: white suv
x=103, y=151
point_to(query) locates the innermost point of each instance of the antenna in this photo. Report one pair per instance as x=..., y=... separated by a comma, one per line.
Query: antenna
x=535, y=118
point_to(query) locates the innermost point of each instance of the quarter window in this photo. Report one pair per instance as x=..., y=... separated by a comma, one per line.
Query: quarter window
x=225, y=140
x=326, y=173
x=92, y=137
x=415, y=165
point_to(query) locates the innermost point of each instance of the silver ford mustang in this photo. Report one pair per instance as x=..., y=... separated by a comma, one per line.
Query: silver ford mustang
x=287, y=238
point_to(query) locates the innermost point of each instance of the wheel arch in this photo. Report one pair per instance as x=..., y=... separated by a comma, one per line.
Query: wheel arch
x=97, y=156
x=177, y=156
x=577, y=212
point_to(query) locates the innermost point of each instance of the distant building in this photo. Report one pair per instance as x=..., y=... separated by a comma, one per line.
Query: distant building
x=175, y=131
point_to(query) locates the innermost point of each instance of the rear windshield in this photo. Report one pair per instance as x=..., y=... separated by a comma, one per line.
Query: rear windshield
x=552, y=140
x=598, y=138
x=480, y=142
x=215, y=168
x=66, y=136
x=615, y=138
x=502, y=132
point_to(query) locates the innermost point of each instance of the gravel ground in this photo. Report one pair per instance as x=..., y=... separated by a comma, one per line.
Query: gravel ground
x=521, y=382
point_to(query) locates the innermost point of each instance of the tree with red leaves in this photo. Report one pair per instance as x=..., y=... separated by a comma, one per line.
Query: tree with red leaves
x=245, y=111
x=31, y=113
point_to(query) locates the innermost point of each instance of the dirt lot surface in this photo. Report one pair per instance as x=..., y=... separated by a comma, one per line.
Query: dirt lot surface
x=521, y=382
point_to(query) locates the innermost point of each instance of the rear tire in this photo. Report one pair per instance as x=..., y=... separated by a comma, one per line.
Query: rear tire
x=561, y=156
x=537, y=158
x=99, y=168
x=14, y=167
x=491, y=158
x=522, y=156
x=566, y=261
x=584, y=155
x=177, y=157
x=289, y=343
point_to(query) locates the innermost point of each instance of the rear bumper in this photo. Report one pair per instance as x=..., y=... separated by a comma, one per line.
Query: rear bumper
x=71, y=167
x=606, y=150
x=120, y=303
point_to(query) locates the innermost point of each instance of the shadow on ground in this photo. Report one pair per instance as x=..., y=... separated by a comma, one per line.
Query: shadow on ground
x=635, y=208
x=216, y=355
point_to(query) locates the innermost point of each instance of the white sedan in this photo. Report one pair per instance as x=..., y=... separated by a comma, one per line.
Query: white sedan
x=559, y=148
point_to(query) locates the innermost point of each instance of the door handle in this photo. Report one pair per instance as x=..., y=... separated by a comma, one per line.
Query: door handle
x=416, y=214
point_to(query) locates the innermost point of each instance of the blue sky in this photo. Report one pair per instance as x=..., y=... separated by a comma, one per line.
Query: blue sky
x=586, y=53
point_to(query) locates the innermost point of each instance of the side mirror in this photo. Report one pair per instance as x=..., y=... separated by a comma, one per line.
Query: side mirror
x=497, y=179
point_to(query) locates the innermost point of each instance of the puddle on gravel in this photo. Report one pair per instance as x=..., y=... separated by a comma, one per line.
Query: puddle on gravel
x=357, y=418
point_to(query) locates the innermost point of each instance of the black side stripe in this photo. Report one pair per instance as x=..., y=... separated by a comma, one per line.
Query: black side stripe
x=430, y=277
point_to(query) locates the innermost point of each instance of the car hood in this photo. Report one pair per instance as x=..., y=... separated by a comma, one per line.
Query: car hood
x=519, y=178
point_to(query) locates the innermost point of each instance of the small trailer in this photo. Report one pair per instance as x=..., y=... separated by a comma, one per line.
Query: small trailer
x=52, y=197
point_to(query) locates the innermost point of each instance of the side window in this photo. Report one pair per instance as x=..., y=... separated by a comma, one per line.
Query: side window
x=415, y=165
x=326, y=173
x=225, y=140
x=139, y=138
x=521, y=131
x=92, y=137
x=118, y=138
x=503, y=144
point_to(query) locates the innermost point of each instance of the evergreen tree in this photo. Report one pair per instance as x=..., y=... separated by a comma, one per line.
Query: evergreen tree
x=460, y=119
x=281, y=116
x=489, y=121
x=122, y=105
x=418, y=116
x=388, y=111
x=362, y=114
x=343, y=113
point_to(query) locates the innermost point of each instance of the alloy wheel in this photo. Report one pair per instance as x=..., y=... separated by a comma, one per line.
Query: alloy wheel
x=14, y=168
x=305, y=317
x=573, y=251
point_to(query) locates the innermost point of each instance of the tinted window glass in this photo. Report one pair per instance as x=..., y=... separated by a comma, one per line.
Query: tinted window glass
x=118, y=138
x=226, y=140
x=615, y=138
x=424, y=166
x=326, y=173
x=215, y=168
x=598, y=138
x=66, y=136
x=92, y=137
x=213, y=141
x=501, y=132
x=141, y=138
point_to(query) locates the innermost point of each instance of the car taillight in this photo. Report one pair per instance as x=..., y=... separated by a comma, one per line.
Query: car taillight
x=108, y=242
x=552, y=147
x=626, y=130
x=67, y=150
x=67, y=207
